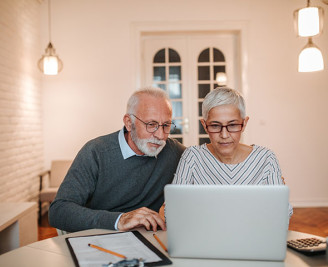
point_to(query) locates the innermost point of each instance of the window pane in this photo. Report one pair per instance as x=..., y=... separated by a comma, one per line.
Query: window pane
x=218, y=55
x=173, y=56
x=160, y=56
x=178, y=128
x=162, y=86
x=203, y=73
x=201, y=128
x=159, y=74
x=218, y=69
x=175, y=90
x=204, y=56
x=204, y=140
x=175, y=73
x=200, y=108
x=177, y=109
x=179, y=139
x=203, y=90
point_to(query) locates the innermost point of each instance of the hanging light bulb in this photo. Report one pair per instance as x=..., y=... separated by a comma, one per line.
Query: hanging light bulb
x=310, y=58
x=309, y=21
x=221, y=78
x=50, y=63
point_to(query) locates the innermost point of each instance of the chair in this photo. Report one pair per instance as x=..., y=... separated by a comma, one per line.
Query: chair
x=55, y=175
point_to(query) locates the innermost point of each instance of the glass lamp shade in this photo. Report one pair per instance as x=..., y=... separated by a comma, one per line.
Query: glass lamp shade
x=308, y=21
x=221, y=78
x=310, y=58
x=50, y=63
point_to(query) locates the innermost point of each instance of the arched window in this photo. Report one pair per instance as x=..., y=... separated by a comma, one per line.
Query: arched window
x=167, y=75
x=211, y=61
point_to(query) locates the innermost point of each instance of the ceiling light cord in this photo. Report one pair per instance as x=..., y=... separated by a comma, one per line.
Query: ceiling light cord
x=49, y=19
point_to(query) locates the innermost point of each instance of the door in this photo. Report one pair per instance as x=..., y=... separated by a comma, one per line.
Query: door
x=187, y=66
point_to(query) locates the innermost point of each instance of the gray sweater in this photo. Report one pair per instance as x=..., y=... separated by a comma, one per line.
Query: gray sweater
x=100, y=184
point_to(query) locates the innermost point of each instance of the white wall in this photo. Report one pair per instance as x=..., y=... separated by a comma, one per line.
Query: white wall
x=95, y=39
x=21, y=140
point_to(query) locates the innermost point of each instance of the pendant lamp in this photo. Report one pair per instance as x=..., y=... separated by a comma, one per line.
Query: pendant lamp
x=309, y=23
x=50, y=63
x=310, y=58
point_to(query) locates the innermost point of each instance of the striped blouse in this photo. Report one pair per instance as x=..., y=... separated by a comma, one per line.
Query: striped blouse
x=199, y=166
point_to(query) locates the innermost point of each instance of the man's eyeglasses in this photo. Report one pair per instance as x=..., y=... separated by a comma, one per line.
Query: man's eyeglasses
x=231, y=128
x=153, y=126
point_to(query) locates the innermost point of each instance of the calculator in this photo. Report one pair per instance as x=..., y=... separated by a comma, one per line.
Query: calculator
x=308, y=246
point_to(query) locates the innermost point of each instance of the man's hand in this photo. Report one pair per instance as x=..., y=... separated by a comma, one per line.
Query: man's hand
x=141, y=217
x=161, y=212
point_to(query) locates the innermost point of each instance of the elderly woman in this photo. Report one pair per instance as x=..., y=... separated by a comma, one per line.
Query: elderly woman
x=225, y=160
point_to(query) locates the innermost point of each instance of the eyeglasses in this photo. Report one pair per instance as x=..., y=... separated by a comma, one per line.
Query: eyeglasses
x=153, y=126
x=231, y=128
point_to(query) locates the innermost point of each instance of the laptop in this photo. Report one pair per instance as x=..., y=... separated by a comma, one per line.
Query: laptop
x=246, y=222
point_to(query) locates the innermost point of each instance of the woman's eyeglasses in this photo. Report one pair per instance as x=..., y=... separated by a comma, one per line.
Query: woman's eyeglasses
x=231, y=128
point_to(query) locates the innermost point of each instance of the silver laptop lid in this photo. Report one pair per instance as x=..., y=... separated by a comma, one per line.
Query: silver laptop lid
x=227, y=222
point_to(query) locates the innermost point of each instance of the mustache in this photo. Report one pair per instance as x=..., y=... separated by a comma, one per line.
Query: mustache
x=155, y=141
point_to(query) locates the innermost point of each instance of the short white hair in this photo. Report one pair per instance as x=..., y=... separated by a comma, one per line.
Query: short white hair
x=151, y=91
x=223, y=96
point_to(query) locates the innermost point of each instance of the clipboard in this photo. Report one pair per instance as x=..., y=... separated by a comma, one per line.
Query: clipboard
x=77, y=247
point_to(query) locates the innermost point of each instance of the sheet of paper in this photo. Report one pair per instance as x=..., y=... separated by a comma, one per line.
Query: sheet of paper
x=126, y=244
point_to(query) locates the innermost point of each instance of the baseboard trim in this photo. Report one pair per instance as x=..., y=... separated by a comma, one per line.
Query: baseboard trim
x=309, y=204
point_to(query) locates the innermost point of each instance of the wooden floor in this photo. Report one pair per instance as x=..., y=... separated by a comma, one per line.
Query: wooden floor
x=44, y=229
x=310, y=220
x=307, y=220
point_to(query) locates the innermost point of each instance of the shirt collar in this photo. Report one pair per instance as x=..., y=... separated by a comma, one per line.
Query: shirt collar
x=126, y=150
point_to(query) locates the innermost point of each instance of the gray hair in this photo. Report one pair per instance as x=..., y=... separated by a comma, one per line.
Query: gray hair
x=151, y=91
x=223, y=96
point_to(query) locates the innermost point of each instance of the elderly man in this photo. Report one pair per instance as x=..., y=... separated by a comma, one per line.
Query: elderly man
x=116, y=181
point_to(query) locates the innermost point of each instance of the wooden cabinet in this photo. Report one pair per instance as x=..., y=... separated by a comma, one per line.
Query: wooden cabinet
x=18, y=225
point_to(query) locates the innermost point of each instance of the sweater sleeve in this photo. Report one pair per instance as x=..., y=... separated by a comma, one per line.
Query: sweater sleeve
x=69, y=211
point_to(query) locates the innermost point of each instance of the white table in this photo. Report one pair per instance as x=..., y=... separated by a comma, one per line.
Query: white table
x=18, y=225
x=53, y=252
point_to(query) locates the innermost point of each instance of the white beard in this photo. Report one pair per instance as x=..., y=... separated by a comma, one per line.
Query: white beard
x=142, y=144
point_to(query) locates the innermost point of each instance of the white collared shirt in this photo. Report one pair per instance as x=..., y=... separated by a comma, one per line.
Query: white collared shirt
x=126, y=150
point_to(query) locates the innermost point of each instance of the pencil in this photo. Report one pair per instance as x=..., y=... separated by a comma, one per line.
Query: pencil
x=107, y=251
x=160, y=242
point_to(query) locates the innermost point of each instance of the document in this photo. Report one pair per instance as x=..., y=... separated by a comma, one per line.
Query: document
x=129, y=244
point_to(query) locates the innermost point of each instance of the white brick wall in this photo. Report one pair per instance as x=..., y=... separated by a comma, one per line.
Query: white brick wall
x=21, y=138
